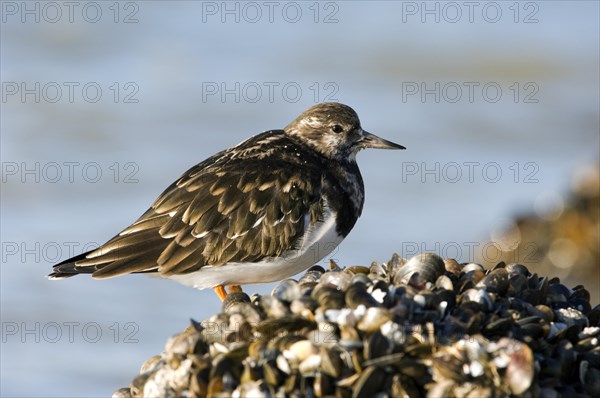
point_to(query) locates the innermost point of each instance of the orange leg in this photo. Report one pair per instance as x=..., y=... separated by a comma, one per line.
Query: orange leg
x=234, y=288
x=220, y=290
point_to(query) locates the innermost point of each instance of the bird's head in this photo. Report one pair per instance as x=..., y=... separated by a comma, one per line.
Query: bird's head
x=334, y=130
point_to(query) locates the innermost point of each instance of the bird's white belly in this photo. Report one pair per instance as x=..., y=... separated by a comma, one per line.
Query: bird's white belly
x=320, y=239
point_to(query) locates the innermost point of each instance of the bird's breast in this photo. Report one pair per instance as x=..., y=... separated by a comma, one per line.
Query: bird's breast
x=344, y=191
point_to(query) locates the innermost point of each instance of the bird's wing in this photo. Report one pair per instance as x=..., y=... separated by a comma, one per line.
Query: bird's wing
x=222, y=210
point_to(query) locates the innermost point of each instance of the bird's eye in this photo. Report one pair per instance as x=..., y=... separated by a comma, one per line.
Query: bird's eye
x=336, y=128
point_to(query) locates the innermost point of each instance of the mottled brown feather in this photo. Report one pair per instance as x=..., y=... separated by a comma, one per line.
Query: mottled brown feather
x=172, y=199
x=181, y=259
x=124, y=266
x=233, y=207
x=174, y=225
x=202, y=203
x=185, y=237
x=122, y=243
x=153, y=222
x=230, y=200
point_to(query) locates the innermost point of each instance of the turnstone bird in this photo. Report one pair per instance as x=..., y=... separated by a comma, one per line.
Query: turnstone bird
x=261, y=211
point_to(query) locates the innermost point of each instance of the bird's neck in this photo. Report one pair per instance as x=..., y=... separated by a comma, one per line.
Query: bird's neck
x=344, y=185
x=350, y=181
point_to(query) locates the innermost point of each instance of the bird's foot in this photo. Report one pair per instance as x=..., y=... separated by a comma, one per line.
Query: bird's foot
x=221, y=292
x=235, y=288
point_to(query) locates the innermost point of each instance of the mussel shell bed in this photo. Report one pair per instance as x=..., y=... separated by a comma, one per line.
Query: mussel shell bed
x=418, y=327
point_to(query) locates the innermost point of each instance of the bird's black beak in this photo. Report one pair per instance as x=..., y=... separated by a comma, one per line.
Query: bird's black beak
x=369, y=140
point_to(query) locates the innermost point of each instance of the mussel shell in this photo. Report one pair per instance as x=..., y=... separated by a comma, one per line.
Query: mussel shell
x=452, y=266
x=380, y=292
x=470, y=267
x=557, y=292
x=591, y=382
x=373, y=319
x=393, y=264
x=428, y=265
x=302, y=304
x=497, y=327
x=496, y=281
x=377, y=271
x=270, y=328
x=287, y=290
x=331, y=361
x=580, y=292
x=594, y=316
x=357, y=270
x=328, y=297
x=357, y=294
x=517, y=269
x=370, y=382
x=361, y=278
x=444, y=282
x=337, y=279
x=310, y=276
x=377, y=345
x=517, y=283
x=316, y=268
x=233, y=298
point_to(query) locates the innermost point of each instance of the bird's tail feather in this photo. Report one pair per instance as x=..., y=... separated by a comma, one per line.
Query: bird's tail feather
x=67, y=268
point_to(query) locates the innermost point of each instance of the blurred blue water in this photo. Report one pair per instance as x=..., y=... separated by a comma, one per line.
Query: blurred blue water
x=172, y=55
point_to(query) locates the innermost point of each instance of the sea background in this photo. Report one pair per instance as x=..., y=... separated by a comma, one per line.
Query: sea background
x=180, y=80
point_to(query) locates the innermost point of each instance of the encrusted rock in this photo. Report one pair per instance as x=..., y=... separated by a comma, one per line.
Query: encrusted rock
x=419, y=327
